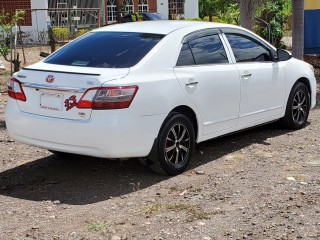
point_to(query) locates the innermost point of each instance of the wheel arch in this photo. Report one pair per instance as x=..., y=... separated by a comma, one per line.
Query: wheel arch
x=183, y=109
x=306, y=82
x=188, y=112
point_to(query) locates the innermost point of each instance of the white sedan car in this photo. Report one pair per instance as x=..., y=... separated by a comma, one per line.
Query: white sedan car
x=154, y=89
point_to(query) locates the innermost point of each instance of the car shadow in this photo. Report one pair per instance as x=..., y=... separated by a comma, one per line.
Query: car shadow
x=80, y=180
x=222, y=146
x=76, y=180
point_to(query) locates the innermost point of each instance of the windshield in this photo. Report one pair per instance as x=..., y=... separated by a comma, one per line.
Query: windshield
x=106, y=50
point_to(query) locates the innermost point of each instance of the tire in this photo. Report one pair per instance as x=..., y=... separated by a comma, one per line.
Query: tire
x=298, y=107
x=175, y=146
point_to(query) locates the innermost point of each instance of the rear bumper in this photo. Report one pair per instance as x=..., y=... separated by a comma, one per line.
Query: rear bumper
x=108, y=134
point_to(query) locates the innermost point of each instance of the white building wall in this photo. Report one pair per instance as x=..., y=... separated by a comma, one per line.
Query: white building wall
x=163, y=7
x=191, y=9
x=39, y=18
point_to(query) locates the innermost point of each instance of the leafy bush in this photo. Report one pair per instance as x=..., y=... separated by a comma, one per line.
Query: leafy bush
x=136, y=17
x=230, y=14
x=7, y=21
x=276, y=15
x=83, y=31
x=61, y=33
x=193, y=19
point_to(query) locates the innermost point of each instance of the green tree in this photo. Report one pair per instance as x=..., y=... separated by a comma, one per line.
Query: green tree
x=213, y=7
x=275, y=14
x=7, y=21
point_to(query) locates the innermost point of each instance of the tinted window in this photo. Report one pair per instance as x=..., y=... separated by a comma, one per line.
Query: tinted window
x=185, y=57
x=208, y=50
x=247, y=50
x=106, y=50
x=155, y=16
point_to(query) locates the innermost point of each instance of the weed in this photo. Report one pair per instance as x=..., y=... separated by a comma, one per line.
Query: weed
x=97, y=227
x=299, y=177
x=195, y=212
x=292, y=168
x=153, y=208
x=236, y=157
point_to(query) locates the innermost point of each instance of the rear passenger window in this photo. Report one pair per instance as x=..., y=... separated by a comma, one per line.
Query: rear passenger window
x=208, y=50
x=185, y=57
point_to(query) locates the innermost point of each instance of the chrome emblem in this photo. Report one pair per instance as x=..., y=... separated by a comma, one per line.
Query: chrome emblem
x=50, y=79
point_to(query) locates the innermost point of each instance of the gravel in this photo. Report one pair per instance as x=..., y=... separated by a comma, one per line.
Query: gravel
x=263, y=183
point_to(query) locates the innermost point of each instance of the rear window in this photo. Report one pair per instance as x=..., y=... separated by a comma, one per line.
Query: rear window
x=106, y=50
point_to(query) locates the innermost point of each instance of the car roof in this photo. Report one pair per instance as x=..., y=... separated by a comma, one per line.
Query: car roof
x=160, y=27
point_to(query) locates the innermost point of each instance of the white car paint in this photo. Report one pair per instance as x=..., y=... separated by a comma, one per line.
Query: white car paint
x=223, y=104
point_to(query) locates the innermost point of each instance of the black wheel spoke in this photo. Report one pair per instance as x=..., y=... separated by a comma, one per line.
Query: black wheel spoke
x=177, y=145
x=299, y=107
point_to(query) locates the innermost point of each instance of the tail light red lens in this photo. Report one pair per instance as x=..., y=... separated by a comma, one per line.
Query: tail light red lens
x=108, y=98
x=15, y=90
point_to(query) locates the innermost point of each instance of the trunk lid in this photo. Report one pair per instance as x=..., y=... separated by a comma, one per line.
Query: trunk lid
x=54, y=90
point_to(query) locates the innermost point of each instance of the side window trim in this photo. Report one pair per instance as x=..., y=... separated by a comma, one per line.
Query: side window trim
x=252, y=37
x=225, y=48
x=200, y=33
x=213, y=34
x=256, y=42
x=177, y=61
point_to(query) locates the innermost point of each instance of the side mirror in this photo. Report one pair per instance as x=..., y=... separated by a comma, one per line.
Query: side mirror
x=283, y=55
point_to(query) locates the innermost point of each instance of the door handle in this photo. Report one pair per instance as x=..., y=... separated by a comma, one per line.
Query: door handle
x=191, y=83
x=246, y=75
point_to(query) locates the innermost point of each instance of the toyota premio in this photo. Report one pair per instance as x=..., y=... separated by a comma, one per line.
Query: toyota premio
x=154, y=89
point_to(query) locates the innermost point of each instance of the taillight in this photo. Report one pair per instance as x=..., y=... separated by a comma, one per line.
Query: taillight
x=108, y=97
x=15, y=90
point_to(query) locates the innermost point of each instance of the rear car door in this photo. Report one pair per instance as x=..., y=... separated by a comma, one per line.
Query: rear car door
x=209, y=80
x=262, y=79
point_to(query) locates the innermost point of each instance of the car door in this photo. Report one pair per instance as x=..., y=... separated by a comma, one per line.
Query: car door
x=209, y=80
x=262, y=79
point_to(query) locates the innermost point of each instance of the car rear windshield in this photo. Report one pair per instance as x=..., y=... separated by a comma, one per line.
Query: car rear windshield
x=106, y=50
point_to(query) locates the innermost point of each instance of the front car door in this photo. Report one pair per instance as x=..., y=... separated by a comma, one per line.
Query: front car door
x=262, y=78
x=209, y=80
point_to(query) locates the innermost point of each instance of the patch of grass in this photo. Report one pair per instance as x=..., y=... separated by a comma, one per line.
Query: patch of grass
x=194, y=212
x=177, y=207
x=266, y=154
x=173, y=189
x=97, y=227
x=299, y=177
x=292, y=168
x=235, y=157
x=228, y=168
x=195, y=190
x=153, y=208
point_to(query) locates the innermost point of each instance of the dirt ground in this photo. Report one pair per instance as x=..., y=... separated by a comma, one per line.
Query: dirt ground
x=262, y=183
